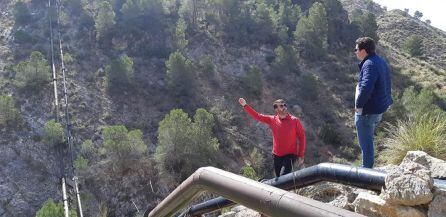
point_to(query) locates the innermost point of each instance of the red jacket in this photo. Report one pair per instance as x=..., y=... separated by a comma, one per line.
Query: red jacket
x=285, y=132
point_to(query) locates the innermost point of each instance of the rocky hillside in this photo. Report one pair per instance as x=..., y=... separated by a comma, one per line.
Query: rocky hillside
x=251, y=49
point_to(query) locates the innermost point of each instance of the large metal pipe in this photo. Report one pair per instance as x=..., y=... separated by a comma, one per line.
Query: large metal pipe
x=353, y=176
x=261, y=197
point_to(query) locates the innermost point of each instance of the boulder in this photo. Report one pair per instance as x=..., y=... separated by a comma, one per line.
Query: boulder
x=334, y=194
x=436, y=166
x=437, y=208
x=409, y=184
x=241, y=211
x=374, y=206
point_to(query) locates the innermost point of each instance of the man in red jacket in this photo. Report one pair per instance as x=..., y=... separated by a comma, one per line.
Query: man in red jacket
x=286, y=130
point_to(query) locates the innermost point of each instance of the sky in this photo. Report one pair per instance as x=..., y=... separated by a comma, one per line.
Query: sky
x=433, y=10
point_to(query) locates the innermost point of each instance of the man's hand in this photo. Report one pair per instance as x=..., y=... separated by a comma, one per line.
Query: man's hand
x=300, y=161
x=242, y=101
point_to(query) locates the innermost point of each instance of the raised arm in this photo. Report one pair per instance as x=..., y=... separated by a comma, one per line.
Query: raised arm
x=254, y=114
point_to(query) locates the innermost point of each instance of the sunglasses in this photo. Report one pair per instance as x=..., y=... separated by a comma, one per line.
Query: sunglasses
x=281, y=106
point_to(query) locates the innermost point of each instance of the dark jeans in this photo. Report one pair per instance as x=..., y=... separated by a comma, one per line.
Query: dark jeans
x=286, y=161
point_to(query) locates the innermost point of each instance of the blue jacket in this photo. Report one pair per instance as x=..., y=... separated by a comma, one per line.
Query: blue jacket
x=374, y=85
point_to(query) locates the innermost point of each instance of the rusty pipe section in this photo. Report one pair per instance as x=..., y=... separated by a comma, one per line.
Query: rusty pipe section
x=258, y=196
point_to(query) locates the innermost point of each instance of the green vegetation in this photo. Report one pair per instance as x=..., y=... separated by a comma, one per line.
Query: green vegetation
x=367, y=24
x=330, y=135
x=421, y=126
x=81, y=164
x=180, y=35
x=105, y=19
x=33, y=74
x=249, y=172
x=285, y=61
x=185, y=145
x=22, y=37
x=179, y=75
x=252, y=82
x=414, y=45
x=53, y=133
x=120, y=73
x=310, y=85
x=21, y=13
x=425, y=133
x=207, y=66
x=8, y=113
x=51, y=209
x=311, y=32
x=122, y=144
x=87, y=147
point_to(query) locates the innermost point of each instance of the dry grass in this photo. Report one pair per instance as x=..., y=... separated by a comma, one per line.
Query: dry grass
x=424, y=133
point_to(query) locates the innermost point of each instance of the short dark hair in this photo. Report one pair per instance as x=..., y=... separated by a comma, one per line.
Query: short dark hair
x=366, y=43
x=279, y=101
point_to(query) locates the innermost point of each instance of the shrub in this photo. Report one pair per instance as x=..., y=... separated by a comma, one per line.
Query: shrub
x=51, y=209
x=310, y=86
x=8, y=113
x=185, y=145
x=121, y=143
x=33, y=73
x=418, y=103
x=414, y=45
x=23, y=37
x=330, y=135
x=21, y=13
x=311, y=33
x=87, y=147
x=105, y=19
x=425, y=133
x=249, y=172
x=207, y=66
x=252, y=82
x=285, y=61
x=179, y=37
x=53, y=133
x=120, y=73
x=179, y=75
x=81, y=163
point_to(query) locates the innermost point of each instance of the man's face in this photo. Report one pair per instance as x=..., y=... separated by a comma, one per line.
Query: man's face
x=280, y=107
x=360, y=53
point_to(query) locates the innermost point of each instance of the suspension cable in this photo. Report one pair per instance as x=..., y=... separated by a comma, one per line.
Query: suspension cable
x=67, y=114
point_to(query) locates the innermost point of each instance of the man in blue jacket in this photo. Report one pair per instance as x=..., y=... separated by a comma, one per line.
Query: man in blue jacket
x=373, y=96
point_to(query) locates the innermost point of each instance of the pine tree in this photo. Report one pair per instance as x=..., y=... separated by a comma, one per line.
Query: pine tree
x=180, y=35
x=105, y=19
x=120, y=73
x=8, y=113
x=121, y=144
x=179, y=75
x=418, y=15
x=367, y=24
x=311, y=32
x=33, y=73
x=285, y=61
x=185, y=145
x=252, y=82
